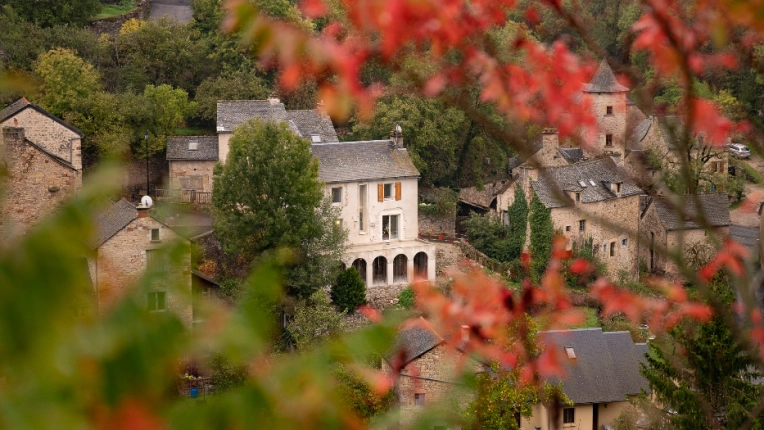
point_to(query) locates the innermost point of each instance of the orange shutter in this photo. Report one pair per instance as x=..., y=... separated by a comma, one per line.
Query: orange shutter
x=380, y=192
x=397, y=191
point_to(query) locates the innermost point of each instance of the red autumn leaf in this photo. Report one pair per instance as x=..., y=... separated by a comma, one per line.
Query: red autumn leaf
x=313, y=8
x=580, y=266
x=709, y=121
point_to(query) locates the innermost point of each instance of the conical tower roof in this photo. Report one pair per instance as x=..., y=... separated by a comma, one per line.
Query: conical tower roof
x=604, y=81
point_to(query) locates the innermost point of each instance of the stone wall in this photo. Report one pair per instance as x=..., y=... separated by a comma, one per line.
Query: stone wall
x=122, y=260
x=37, y=183
x=180, y=168
x=384, y=296
x=135, y=172
x=435, y=225
x=114, y=24
x=614, y=123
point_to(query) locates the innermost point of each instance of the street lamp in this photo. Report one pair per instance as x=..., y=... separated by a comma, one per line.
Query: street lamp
x=146, y=138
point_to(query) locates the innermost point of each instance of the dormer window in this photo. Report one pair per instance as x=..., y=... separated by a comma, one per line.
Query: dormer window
x=315, y=138
x=193, y=146
x=616, y=187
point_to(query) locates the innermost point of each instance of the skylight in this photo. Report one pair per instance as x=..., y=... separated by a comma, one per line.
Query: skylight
x=592, y=182
x=315, y=138
x=193, y=146
x=582, y=183
x=570, y=352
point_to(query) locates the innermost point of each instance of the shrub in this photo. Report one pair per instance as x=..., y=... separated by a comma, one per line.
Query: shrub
x=225, y=374
x=314, y=319
x=406, y=298
x=349, y=291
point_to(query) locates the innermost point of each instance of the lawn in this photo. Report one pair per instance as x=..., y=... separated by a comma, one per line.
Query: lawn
x=111, y=10
x=590, y=319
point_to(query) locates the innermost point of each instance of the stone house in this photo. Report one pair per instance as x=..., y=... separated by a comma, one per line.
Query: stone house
x=37, y=182
x=375, y=186
x=428, y=370
x=130, y=241
x=191, y=161
x=601, y=374
x=665, y=230
x=651, y=147
x=592, y=200
x=487, y=200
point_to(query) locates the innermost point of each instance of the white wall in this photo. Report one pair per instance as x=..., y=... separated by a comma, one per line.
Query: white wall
x=223, y=139
x=407, y=207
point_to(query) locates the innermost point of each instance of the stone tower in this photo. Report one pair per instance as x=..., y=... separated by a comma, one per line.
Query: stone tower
x=609, y=102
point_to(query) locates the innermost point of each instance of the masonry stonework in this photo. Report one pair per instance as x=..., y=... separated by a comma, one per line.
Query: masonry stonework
x=183, y=168
x=37, y=183
x=49, y=134
x=122, y=260
x=613, y=124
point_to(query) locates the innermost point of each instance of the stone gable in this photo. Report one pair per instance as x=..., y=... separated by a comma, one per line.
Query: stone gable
x=49, y=133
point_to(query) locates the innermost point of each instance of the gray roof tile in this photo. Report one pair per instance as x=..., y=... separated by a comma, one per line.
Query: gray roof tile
x=572, y=154
x=178, y=148
x=604, y=81
x=13, y=108
x=415, y=339
x=113, y=219
x=639, y=133
x=485, y=198
x=311, y=121
x=601, y=171
x=715, y=208
x=362, y=161
x=605, y=368
x=232, y=113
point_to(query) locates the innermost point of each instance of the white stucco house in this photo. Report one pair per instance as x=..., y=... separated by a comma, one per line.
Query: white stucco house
x=375, y=184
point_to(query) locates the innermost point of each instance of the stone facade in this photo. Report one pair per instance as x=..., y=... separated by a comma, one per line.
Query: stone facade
x=197, y=169
x=435, y=225
x=611, y=112
x=607, y=413
x=37, y=183
x=122, y=259
x=50, y=134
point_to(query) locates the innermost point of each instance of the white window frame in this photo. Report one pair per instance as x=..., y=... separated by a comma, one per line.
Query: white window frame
x=388, y=186
x=338, y=191
x=398, y=221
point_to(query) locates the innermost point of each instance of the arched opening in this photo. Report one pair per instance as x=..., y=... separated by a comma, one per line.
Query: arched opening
x=360, y=266
x=400, y=266
x=380, y=271
x=420, y=265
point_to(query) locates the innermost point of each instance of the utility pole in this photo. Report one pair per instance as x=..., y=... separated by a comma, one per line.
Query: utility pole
x=146, y=138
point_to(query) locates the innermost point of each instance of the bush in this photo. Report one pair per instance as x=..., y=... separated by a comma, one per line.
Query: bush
x=226, y=375
x=314, y=319
x=406, y=298
x=349, y=291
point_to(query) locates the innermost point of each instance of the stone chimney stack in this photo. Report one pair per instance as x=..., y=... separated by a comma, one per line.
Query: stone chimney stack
x=550, y=138
x=321, y=108
x=273, y=100
x=143, y=211
x=12, y=136
x=396, y=136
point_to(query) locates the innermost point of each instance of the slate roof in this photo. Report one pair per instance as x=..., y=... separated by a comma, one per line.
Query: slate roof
x=23, y=103
x=485, y=198
x=606, y=366
x=232, y=113
x=520, y=158
x=715, y=207
x=639, y=133
x=604, y=81
x=414, y=340
x=362, y=161
x=601, y=171
x=55, y=157
x=178, y=148
x=113, y=219
x=311, y=121
x=571, y=154
x=668, y=126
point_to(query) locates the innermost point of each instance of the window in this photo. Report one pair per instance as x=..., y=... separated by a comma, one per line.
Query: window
x=337, y=195
x=155, y=235
x=362, y=208
x=390, y=227
x=582, y=225
x=618, y=188
x=569, y=415
x=609, y=110
x=608, y=140
x=388, y=191
x=315, y=138
x=624, y=242
x=567, y=228
x=419, y=399
x=193, y=146
x=716, y=166
x=612, y=249
x=570, y=352
x=578, y=197
x=157, y=301
x=155, y=261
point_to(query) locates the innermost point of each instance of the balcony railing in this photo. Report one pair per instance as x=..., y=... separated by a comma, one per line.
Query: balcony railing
x=185, y=196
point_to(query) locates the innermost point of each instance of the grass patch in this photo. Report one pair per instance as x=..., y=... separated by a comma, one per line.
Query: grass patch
x=194, y=131
x=112, y=10
x=591, y=319
x=750, y=172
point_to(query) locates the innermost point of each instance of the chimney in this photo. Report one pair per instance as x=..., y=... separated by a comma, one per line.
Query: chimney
x=396, y=136
x=13, y=135
x=550, y=138
x=143, y=211
x=273, y=100
x=321, y=108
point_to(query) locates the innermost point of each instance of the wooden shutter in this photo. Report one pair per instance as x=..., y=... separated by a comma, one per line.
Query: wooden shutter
x=397, y=191
x=380, y=192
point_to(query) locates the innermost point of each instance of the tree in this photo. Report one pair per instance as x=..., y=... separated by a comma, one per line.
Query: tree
x=168, y=109
x=46, y=13
x=349, y=291
x=489, y=236
x=517, y=214
x=702, y=374
x=542, y=232
x=314, y=320
x=234, y=86
x=66, y=79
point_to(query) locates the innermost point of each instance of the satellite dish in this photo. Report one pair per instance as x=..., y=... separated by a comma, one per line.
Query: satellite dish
x=147, y=202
